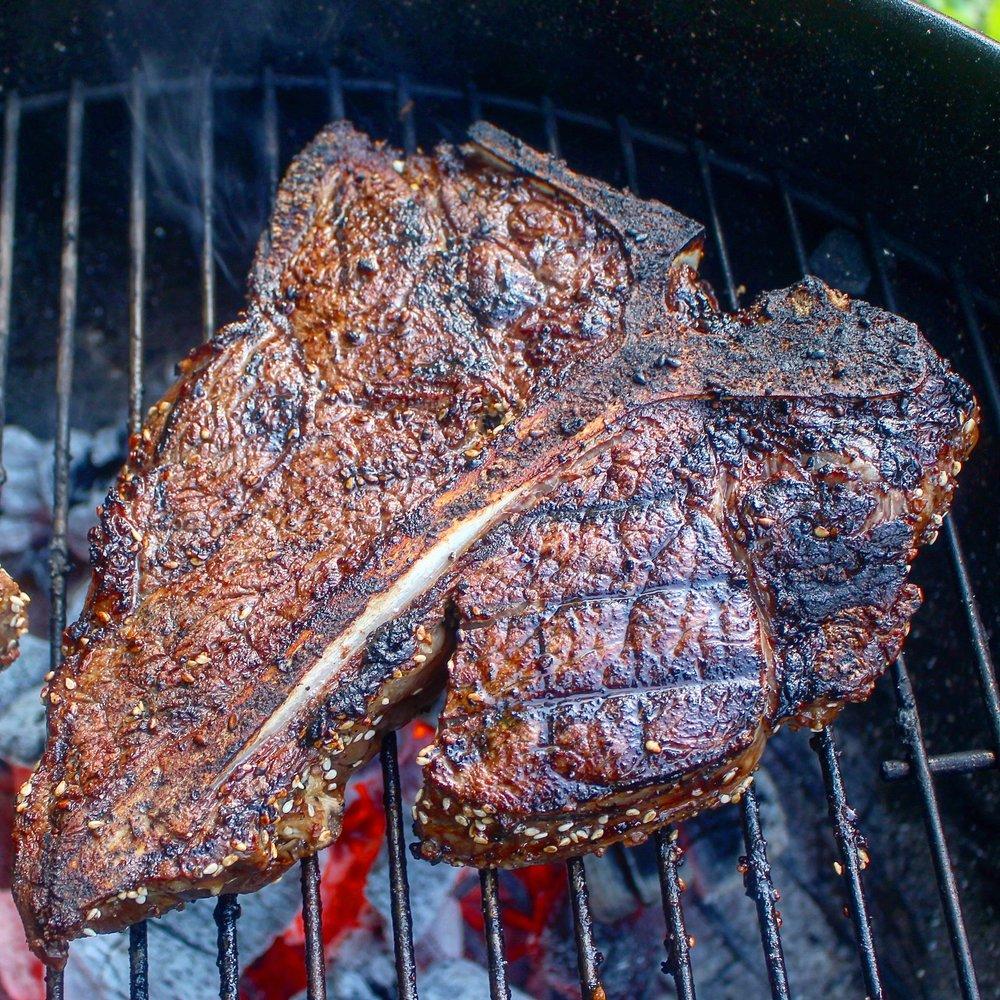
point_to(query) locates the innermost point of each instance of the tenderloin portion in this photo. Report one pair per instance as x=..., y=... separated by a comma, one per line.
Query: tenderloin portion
x=736, y=559
x=481, y=423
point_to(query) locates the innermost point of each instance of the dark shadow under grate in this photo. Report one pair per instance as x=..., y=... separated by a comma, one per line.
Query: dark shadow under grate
x=402, y=101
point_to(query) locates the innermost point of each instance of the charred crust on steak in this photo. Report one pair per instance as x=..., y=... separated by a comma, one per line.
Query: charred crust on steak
x=480, y=421
x=13, y=618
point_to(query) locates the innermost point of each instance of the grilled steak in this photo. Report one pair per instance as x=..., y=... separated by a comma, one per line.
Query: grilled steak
x=253, y=622
x=480, y=420
x=13, y=618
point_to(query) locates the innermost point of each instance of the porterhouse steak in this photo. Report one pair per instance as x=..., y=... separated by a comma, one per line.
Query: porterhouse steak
x=481, y=424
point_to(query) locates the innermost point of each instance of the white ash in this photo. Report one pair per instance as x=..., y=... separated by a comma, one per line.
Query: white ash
x=612, y=889
x=107, y=446
x=26, y=499
x=458, y=978
x=82, y=517
x=350, y=984
x=182, y=947
x=22, y=714
x=24, y=456
x=437, y=918
x=363, y=968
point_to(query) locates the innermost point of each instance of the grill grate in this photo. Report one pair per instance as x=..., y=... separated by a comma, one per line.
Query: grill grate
x=628, y=139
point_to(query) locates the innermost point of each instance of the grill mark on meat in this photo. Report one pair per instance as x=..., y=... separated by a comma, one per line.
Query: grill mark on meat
x=560, y=604
x=564, y=700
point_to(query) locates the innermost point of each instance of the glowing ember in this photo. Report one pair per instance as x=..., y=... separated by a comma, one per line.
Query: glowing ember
x=21, y=976
x=280, y=972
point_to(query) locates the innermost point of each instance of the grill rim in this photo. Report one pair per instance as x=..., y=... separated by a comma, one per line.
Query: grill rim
x=920, y=765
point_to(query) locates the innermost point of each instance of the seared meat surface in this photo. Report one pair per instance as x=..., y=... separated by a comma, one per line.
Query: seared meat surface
x=13, y=618
x=253, y=623
x=480, y=421
x=735, y=559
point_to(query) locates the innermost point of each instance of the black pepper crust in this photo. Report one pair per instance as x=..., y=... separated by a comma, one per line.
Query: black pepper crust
x=479, y=411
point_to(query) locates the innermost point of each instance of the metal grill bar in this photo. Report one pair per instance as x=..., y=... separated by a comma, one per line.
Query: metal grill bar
x=708, y=186
x=58, y=561
x=758, y=874
x=794, y=229
x=54, y=984
x=842, y=816
x=757, y=880
x=968, y=308
x=627, y=147
x=980, y=643
x=335, y=94
x=312, y=907
x=8, y=203
x=227, y=912
x=475, y=102
x=402, y=922
x=587, y=956
x=909, y=723
x=548, y=113
x=138, y=950
x=227, y=909
x=963, y=762
x=404, y=111
x=312, y=919
x=668, y=853
x=270, y=113
x=551, y=125
x=678, y=945
x=137, y=252
x=206, y=162
x=138, y=962
x=849, y=841
x=493, y=928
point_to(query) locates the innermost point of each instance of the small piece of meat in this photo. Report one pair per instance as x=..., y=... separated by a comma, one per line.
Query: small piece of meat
x=480, y=424
x=736, y=560
x=13, y=618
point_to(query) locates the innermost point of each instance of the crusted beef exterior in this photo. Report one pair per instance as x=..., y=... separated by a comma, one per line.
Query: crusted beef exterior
x=13, y=618
x=267, y=595
x=483, y=425
x=736, y=559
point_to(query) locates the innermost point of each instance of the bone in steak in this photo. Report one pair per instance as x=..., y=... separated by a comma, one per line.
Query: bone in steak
x=480, y=421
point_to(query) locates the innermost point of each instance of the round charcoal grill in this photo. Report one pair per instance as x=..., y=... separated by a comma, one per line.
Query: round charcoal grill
x=764, y=220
